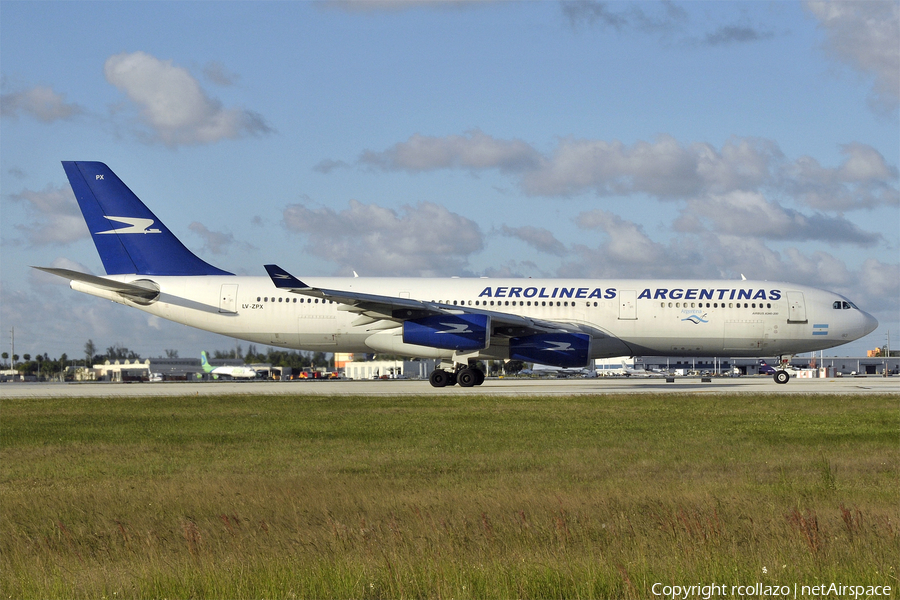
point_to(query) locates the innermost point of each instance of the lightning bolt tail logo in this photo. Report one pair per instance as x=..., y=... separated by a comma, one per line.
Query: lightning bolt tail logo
x=135, y=225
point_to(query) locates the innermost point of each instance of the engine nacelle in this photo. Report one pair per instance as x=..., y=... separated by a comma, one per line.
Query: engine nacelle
x=566, y=350
x=450, y=332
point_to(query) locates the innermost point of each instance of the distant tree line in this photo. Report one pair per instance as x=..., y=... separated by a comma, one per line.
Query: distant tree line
x=40, y=365
x=44, y=367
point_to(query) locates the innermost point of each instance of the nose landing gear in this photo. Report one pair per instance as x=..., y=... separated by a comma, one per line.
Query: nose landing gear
x=781, y=375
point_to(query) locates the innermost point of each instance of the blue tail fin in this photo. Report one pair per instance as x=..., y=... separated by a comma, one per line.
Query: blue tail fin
x=129, y=238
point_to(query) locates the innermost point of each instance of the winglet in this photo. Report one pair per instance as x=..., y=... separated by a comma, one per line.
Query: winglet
x=283, y=279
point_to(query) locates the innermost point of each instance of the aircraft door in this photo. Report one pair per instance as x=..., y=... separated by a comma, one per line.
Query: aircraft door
x=796, y=307
x=228, y=298
x=627, y=305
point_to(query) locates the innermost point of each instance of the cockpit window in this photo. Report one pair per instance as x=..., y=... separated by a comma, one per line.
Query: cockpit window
x=843, y=305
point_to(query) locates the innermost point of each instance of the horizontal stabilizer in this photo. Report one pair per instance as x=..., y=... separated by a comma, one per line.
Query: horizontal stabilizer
x=147, y=291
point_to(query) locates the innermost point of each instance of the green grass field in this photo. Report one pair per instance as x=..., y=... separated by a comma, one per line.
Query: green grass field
x=445, y=497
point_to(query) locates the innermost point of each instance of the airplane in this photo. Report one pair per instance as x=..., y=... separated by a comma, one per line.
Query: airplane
x=558, y=322
x=632, y=372
x=765, y=369
x=236, y=372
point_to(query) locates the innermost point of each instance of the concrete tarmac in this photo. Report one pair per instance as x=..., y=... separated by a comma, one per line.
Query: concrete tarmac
x=500, y=387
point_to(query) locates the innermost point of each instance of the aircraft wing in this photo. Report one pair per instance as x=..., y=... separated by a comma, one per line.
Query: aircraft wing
x=372, y=307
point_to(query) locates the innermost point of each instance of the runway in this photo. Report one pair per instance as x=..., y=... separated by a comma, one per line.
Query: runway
x=498, y=387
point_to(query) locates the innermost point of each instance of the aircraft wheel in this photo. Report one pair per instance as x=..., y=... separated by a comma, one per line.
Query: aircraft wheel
x=479, y=376
x=439, y=378
x=782, y=377
x=466, y=377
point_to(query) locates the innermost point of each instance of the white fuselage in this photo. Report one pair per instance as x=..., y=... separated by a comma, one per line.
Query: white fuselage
x=625, y=317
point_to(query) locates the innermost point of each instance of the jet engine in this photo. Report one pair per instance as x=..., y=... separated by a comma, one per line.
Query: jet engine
x=451, y=332
x=567, y=350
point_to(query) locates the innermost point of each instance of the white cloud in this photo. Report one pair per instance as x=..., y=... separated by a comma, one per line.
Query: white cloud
x=864, y=180
x=736, y=34
x=516, y=268
x=57, y=219
x=664, y=169
x=216, y=72
x=39, y=102
x=866, y=36
x=174, y=106
x=625, y=249
x=624, y=16
x=538, y=238
x=474, y=150
x=750, y=214
x=425, y=239
x=216, y=241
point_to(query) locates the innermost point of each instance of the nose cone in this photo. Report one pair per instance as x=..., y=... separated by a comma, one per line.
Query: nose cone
x=869, y=324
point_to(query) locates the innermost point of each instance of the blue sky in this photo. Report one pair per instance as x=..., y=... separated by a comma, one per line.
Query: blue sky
x=589, y=139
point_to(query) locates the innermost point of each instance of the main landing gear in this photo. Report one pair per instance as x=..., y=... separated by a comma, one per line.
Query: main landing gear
x=465, y=376
x=781, y=375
